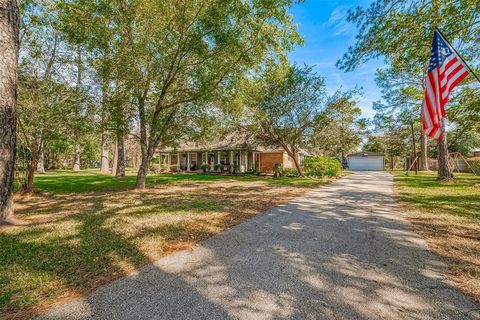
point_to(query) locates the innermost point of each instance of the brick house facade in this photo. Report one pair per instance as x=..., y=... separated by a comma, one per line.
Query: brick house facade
x=225, y=156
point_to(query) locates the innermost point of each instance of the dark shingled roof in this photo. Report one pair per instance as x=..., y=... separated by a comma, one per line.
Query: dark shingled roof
x=230, y=142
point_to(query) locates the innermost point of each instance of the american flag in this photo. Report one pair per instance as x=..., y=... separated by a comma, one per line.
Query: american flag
x=445, y=71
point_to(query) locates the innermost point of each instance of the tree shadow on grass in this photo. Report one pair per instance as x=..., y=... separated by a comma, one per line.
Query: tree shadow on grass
x=76, y=242
x=49, y=262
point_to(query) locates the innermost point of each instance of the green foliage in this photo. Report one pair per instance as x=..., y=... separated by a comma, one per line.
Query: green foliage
x=374, y=143
x=90, y=151
x=284, y=104
x=463, y=140
x=288, y=108
x=320, y=166
x=339, y=128
x=289, y=172
x=204, y=167
x=174, y=59
x=22, y=165
x=277, y=170
x=402, y=31
x=254, y=171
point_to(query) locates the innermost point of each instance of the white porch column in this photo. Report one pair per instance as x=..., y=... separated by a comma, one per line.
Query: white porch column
x=188, y=161
x=231, y=158
x=253, y=160
x=245, y=161
x=240, y=161
x=218, y=157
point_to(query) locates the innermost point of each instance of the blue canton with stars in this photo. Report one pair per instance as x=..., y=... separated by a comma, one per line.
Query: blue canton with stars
x=440, y=51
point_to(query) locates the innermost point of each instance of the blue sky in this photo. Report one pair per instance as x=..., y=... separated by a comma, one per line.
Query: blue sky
x=327, y=36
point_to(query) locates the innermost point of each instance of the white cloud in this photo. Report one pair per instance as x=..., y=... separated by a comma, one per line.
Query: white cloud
x=338, y=22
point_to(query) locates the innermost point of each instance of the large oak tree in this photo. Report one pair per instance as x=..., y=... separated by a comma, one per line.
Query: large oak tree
x=286, y=108
x=188, y=52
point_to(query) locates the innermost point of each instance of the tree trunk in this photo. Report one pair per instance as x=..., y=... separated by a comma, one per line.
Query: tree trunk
x=27, y=185
x=104, y=161
x=41, y=161
x=147, y=155
x=294, y=156
x=76, y=157
x=142, y=174
x=444, y=170
x=9, y=45
x=145, y=162
x=120, y=172
x=104, y=165
x=423, y=152
x=115, y=159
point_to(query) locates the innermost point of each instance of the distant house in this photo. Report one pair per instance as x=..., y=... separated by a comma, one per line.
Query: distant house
x=226, y=155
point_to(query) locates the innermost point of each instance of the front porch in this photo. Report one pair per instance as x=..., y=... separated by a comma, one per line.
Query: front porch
x=233, y=161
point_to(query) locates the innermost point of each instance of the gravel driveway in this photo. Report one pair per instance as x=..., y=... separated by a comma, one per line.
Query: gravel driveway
x=344, y=251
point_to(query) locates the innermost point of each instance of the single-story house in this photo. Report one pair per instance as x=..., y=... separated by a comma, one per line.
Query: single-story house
x=368, y=161
x=228, y=155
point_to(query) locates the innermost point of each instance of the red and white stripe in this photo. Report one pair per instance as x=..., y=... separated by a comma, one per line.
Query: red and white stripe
x=438, y=85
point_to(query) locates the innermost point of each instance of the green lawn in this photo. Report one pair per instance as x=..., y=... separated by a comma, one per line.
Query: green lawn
x=85, y=181
x=426, y=194
x=89, y=228
x=447, y=215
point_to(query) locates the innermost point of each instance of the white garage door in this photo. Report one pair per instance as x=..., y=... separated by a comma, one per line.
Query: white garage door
x=365, y=163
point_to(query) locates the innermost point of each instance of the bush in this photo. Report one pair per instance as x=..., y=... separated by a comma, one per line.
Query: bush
x=321, y=166
x=475, y=166
x=255, y=171
x=277, y=170
x=204, y=167
x=289, y=172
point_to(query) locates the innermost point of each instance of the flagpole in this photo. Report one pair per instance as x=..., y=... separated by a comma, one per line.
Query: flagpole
x=458, y=54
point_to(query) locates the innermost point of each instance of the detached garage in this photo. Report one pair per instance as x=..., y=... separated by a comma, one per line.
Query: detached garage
x=368, y=161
